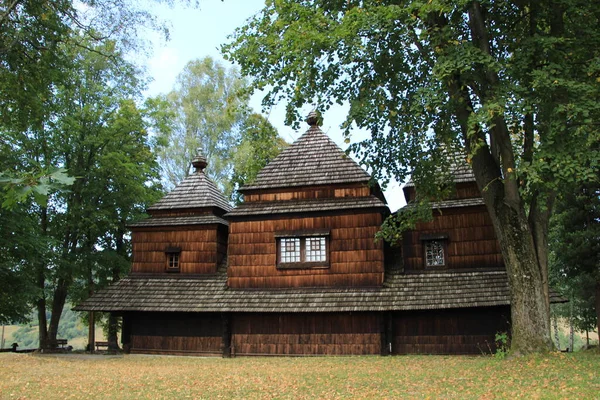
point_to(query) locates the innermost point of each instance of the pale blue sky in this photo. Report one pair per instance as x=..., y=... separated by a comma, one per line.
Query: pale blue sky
x=196, y=33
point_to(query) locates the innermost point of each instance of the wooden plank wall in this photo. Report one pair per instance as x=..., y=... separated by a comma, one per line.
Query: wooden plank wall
x=199, y=247
x=457, y=331
x=355, y=258
x=309, y=193
x=471, y=240
x=175, y=333
x=306, y=334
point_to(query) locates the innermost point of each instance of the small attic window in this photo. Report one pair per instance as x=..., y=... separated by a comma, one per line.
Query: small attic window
x=435, y=253
x=172, y=255
x=434, y=248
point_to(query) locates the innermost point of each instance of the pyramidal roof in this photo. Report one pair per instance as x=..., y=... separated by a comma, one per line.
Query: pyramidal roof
x=313, y=159
x=195, y=191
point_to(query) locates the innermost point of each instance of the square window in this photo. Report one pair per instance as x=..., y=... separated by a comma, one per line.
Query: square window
x=290, y=250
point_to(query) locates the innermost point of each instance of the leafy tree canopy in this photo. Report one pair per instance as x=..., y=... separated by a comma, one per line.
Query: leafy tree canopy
x=260, y=143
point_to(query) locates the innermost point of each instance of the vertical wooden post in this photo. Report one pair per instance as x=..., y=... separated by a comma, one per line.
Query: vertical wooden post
x=386, y=333
x=126, y=333
x=226, y=320
x=91, y=331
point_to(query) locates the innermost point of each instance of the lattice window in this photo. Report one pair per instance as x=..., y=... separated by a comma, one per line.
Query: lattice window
x=173, y=261
x=290, y=250
x=434, y=253
x=315, y=249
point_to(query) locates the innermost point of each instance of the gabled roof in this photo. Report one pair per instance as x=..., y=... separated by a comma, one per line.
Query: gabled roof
x=313, y=159
x=195, y=191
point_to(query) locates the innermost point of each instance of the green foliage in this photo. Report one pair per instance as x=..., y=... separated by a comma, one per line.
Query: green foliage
x=575, y=253
x=260, y=143
x=502, y=340
x=92, y=129
x=405, y=219
x=395, y=62
x=208, y=105
x=18, y=188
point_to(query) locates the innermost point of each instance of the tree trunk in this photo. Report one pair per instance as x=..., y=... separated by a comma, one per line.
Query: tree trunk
x=556, y=335
x=598, y=307
x=571, y=330
x=113, y=321
x=41, y=284
x=91, y=332
x=529, y=314
x=58, y=305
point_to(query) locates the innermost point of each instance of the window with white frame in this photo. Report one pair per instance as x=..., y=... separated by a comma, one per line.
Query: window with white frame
x=289, y=250
x=298, y=250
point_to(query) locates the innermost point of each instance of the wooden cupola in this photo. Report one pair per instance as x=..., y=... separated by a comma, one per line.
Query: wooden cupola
x=185, y=233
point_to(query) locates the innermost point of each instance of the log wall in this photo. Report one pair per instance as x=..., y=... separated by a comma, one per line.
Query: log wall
x=455, y=331
x=471, y=241
x=202, y=247
x=355, y=258
x=175, y=333
x=306, y=334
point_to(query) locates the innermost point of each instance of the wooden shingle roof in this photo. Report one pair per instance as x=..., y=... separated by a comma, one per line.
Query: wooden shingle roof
x=209, y=293
x=313, y=159
x=459, y=169
x=195, y=191
x=179, y=221
x=302, y=206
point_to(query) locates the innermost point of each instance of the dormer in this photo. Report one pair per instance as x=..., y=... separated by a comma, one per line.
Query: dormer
x=185, y=233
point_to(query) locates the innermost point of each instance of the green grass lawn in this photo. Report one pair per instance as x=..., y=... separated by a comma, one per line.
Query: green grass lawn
x=556, y=375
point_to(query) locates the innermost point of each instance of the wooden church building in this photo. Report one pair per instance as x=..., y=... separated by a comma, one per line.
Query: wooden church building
x=295, y=269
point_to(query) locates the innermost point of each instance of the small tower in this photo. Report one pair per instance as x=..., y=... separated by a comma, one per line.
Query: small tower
x=185, y=233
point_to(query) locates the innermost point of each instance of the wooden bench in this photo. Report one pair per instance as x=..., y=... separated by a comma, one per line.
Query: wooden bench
x=101, y=344
x=61, y=342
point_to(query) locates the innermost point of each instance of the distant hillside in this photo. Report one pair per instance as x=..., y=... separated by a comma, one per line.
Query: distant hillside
x=71, y=328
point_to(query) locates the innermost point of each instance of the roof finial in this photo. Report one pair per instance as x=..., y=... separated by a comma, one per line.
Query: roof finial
x=313, y=118
x=199, y=162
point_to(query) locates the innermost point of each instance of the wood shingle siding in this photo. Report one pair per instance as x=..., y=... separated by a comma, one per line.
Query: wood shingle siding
x=454, y=331
x=355, y=259
x=306, y=334
x=471, y=240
